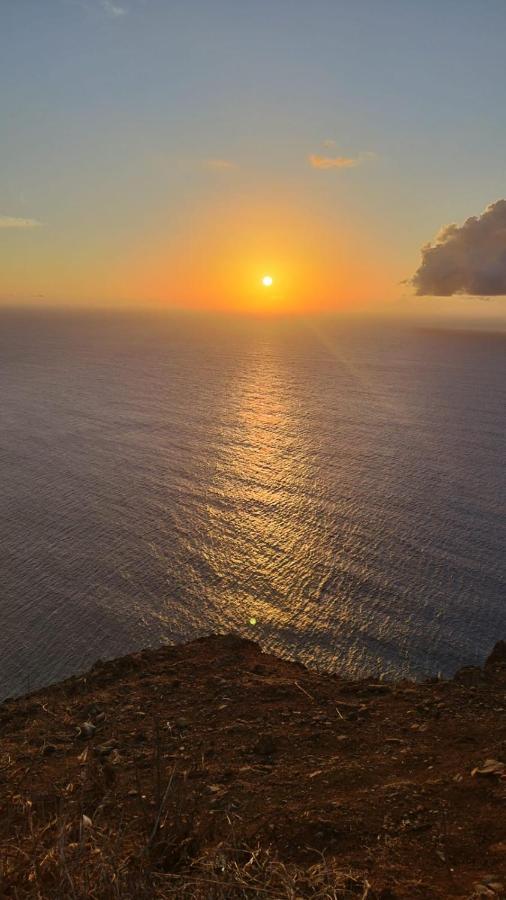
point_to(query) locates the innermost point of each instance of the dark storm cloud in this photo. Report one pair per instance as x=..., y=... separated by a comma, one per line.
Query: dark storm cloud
x=466, y=259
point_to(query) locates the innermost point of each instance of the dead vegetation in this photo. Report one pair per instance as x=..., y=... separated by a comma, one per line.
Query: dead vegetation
x=215, y=771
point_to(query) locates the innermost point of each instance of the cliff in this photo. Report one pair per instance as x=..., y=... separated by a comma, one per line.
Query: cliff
x=213, y=770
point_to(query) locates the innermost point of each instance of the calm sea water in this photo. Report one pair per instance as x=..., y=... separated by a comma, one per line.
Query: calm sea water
x=164, y=477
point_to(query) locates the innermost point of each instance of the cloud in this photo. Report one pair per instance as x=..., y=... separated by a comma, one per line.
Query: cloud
x=113, y=9
x=99, y=8
x=466, y=259
x=337, y=162
x=332, y=162
x=13, y=222
x=219, y=165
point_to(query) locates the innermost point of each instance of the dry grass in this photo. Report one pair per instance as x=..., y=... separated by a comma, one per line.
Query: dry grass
x=63, y=846
x=69, y=860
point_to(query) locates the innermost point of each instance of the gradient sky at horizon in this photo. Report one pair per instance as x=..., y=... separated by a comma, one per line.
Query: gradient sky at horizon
x=171, y=152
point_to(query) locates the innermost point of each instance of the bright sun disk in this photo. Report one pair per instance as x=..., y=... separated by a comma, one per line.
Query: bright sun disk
x=267, y=281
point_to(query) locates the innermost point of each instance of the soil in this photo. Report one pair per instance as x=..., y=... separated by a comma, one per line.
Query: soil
x=213, y=748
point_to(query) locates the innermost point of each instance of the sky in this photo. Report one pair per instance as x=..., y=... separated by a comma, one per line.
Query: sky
x=170, y=153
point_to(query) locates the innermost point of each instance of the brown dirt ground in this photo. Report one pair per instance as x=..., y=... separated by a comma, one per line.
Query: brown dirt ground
x=216, y=750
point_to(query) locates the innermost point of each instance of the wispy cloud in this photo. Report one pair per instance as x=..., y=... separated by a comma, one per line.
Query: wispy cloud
x=100, y=9
x=319, y=161
x=113, y=10
x=333, y=162
x=14, y=222
x=220, y=165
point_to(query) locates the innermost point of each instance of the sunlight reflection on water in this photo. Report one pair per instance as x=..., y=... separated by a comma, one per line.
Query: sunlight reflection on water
x=334, y=492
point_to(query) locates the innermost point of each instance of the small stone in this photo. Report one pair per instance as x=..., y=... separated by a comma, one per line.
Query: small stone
x=499, y=848
x=469, y=676
x=182, y=722
x=490, y=767
x=106, y=749
x=86, y=822
x=88, y=729
x=481, y=890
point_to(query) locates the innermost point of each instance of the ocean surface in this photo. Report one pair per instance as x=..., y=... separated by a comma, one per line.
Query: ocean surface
x=335, y=491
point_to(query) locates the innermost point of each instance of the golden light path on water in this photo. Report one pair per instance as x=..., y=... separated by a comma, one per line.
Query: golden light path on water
x=266, y=527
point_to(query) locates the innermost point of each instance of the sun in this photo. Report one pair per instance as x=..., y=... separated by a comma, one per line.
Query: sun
x=267, y=280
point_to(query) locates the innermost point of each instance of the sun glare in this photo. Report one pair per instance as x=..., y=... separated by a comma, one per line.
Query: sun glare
x=267, y=281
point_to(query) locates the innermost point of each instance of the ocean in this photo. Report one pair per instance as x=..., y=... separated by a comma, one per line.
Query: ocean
x=332, y=490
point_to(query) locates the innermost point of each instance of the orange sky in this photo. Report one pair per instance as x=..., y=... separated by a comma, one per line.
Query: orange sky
x=216, y=260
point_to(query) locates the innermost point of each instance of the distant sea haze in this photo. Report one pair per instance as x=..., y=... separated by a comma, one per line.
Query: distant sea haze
x=333, y=491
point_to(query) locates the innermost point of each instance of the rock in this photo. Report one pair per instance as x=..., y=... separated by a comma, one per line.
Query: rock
x=469, y=676
x=490, y=767
x=86, y=822
x=499, y=848
x=489, y=886
x=182, y=722
x=498, y=656
x=481, y=890
x=106, y=749
x=87, y=730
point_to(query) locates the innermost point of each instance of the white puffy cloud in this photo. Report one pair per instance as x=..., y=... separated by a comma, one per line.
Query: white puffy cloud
x=466, y=259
